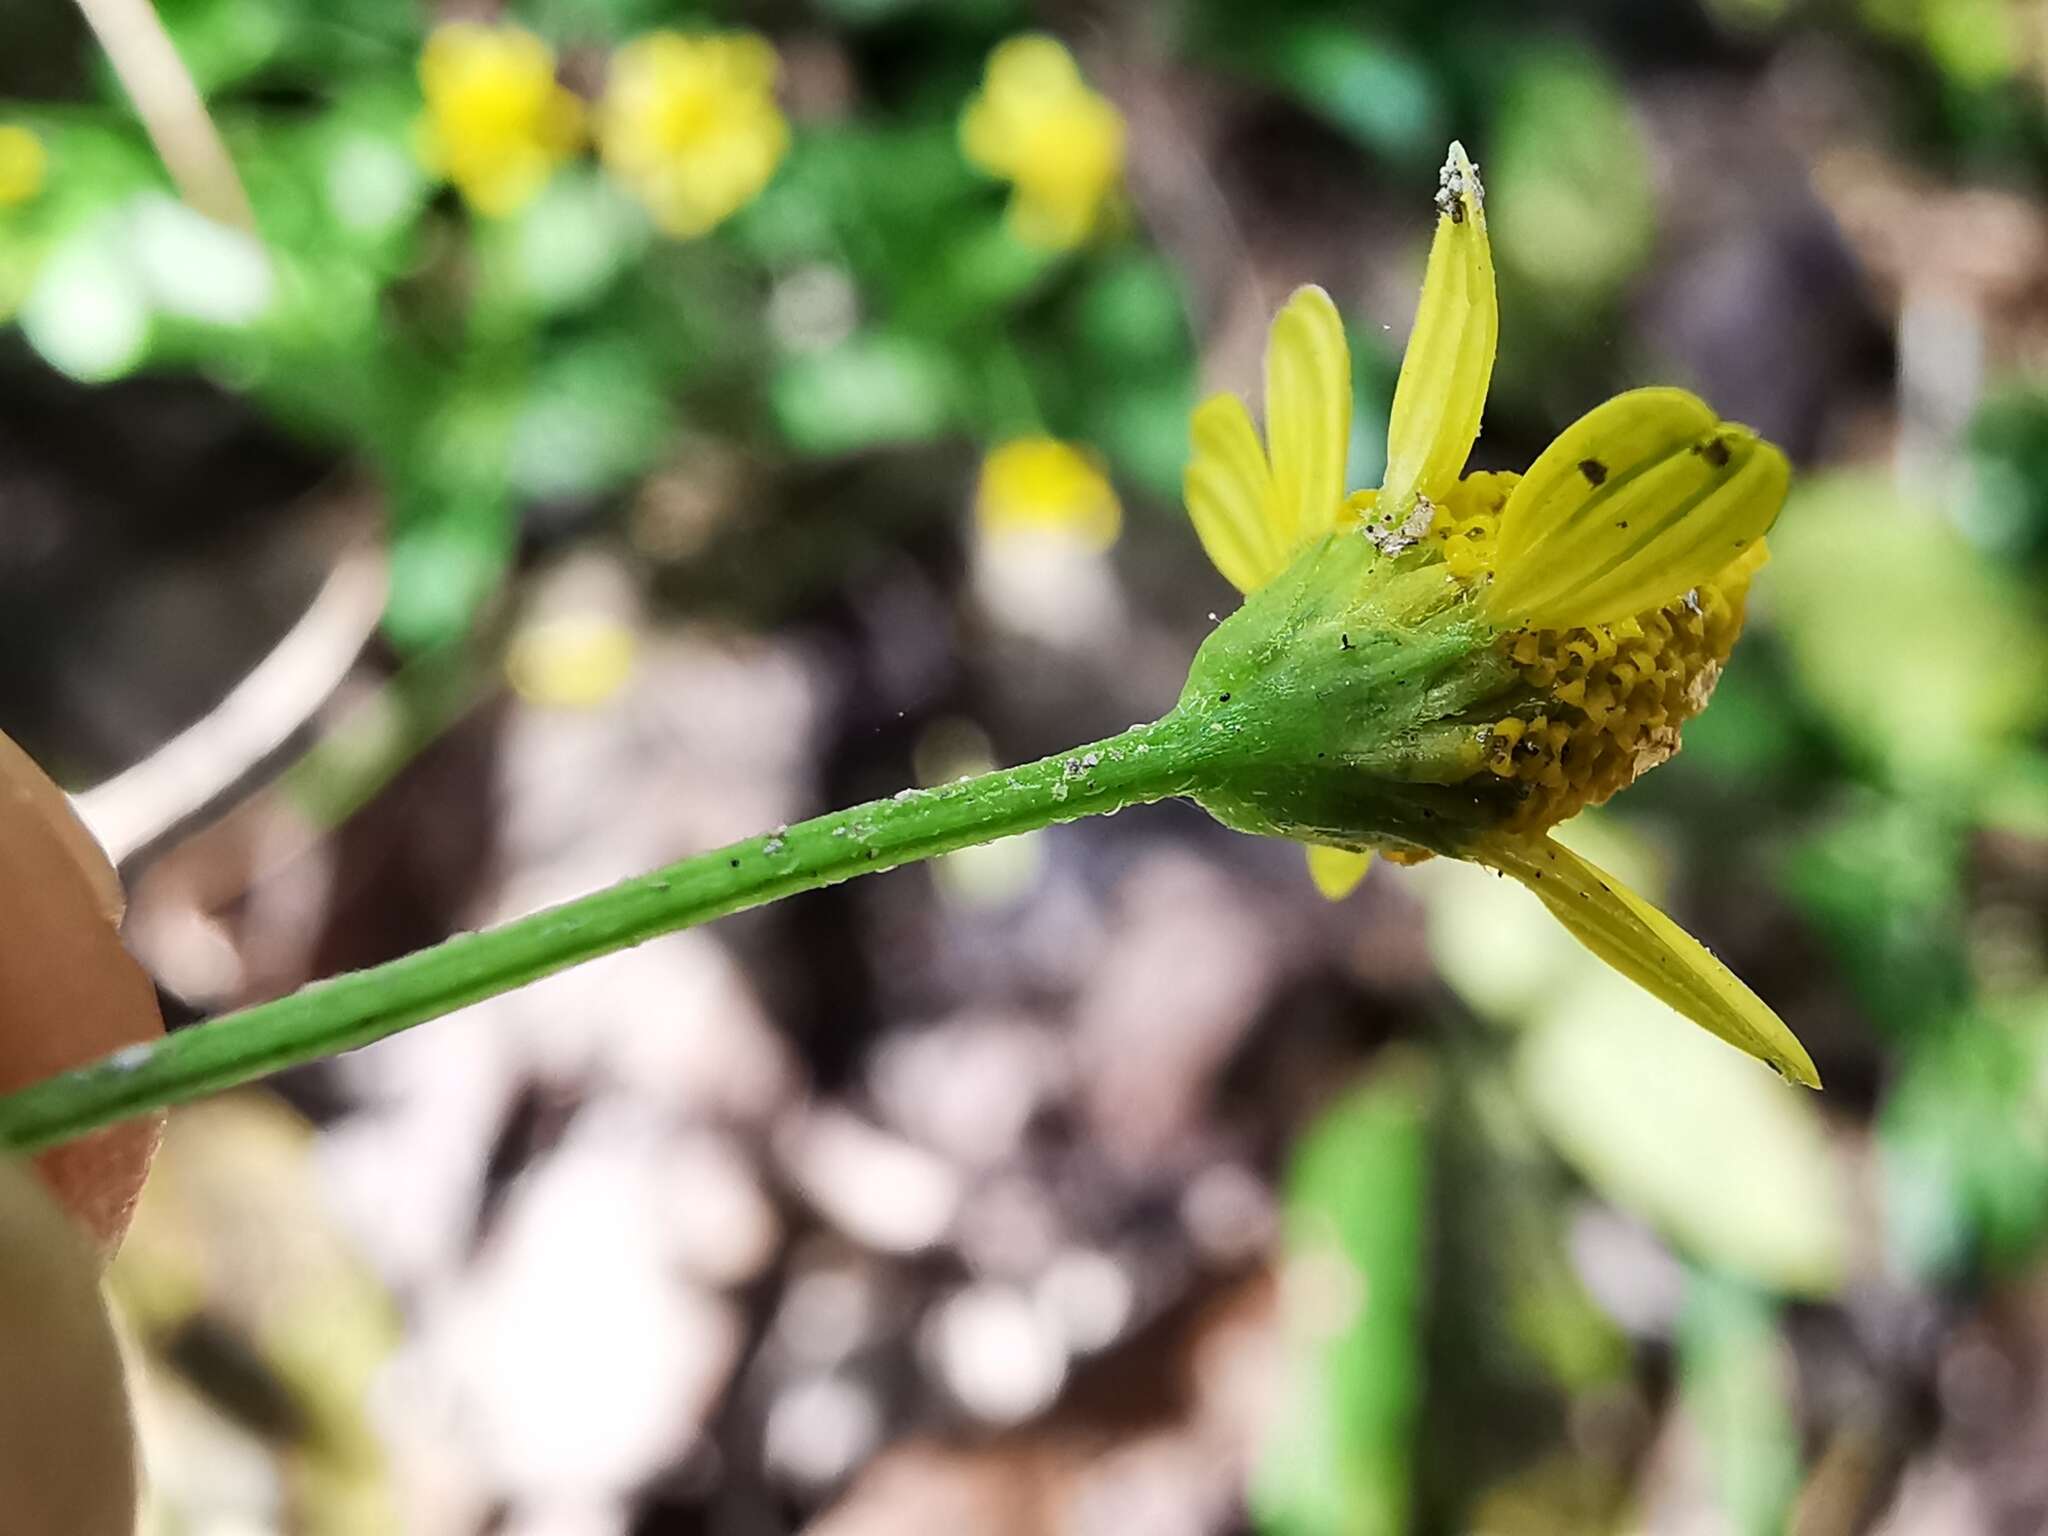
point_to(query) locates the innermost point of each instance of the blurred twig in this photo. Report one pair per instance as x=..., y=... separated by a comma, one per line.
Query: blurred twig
x=168, y=102
x=257, y=717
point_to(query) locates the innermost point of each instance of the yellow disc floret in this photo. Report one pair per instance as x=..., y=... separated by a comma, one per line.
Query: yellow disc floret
x=1467, y=525
x=1605, y=702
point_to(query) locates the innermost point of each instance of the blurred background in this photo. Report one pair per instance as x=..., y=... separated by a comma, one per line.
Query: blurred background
x=598, y=429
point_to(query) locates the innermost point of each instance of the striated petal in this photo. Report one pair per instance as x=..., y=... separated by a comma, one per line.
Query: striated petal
x=1449, y=362
x=1308, y=414
x=1651, y=950
x=1229, y=492
x=1336, y=871
x=1638, y=500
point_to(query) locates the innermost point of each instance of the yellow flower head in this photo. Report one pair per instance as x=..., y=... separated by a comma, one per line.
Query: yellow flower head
x=1037, y=125
x=24, y=163
x=497, y=124
x=690, y=124
x=1543, y=636
x=572, y=660
x=1033, y=484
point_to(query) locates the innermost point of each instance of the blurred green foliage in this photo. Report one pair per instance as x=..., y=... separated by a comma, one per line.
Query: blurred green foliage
x=1870, y=788
x=1737, y=1386
x=484, y=367
x=1340, y=1446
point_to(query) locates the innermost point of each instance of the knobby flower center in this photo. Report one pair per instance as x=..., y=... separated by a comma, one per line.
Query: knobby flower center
x=1604, y=703
x=1600, y=705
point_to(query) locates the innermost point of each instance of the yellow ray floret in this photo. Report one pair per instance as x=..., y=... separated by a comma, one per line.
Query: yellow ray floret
x=1652, y=951
x=1449, y=362
x=1308, y=416
x=1254, y=515
x=1228, y=489
x=1638, y=500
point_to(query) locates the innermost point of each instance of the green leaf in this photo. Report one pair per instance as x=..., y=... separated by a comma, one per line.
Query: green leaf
x=1921, y=654
x=1338, y=1460
x=224, y=41
x=595, y=417
x=443, y=568
x=1373, y=89
x=871, y=390
x=1880, y=879
x=88, y=311
x=1568, y=183
x=987, y=268
x=2005, y=506
x=564, y=248
x=1964, y=1143
x=1735, y=1381
x=1686, y=1134
x=1132, y=311
x=1145, y=430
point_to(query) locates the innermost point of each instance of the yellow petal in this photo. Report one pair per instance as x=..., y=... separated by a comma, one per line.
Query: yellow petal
x=1442, y=388
x=1336, y=871
x=1638, y=500
x=1308, y=414
x=1229, y=492
x=1651, y=950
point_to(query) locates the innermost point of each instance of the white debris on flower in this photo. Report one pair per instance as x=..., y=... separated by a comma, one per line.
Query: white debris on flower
x=1391, y=539
x=1458, y=180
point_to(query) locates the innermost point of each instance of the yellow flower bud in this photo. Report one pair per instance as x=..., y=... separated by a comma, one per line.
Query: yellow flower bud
x=1042, y=484
x=1038, y=125
x=690, y=125
x=498, y=125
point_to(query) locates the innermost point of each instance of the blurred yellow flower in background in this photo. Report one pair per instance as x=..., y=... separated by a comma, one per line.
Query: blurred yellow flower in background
x=498, y=123
x=691, y=126
x=571, y=661
x=24, y=164
x=1034, y=484
x=1039, y=126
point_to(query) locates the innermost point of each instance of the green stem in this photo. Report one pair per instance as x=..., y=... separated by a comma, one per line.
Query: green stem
x=1145, y=763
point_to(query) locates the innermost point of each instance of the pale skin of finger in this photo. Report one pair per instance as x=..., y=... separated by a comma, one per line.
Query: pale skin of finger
x=69, y=990
x=29, y=793
x=67, y=1442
